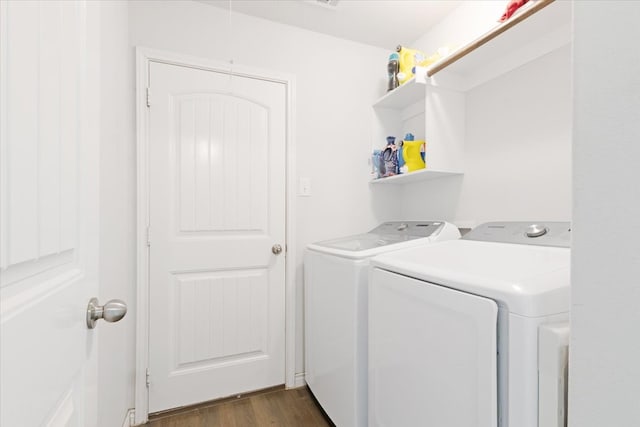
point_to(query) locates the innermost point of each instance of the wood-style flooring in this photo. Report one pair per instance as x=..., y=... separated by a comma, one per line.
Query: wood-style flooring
x=273, y=407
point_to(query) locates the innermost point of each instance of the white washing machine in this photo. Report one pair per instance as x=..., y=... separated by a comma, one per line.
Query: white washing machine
x=453, y=327
x=335, y=276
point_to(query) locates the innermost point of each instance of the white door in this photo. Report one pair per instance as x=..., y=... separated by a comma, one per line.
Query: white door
x=49, y=214
x=432, y=355
x=217, y=207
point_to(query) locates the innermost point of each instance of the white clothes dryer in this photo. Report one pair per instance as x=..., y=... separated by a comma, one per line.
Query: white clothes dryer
x=336, y=276
x=453, y=327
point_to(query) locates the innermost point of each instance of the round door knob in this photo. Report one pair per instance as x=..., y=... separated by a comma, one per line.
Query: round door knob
x=536, y=230
x=276, y=249
x=112, y=311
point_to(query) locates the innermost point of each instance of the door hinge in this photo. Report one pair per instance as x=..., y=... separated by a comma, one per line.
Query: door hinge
x=148, y=97
x=148, y=236
x=147, y=378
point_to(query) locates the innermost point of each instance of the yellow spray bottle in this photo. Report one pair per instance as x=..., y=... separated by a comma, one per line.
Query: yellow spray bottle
x=409, y=58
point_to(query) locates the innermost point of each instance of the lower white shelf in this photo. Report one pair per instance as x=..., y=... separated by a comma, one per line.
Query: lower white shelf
x=420, y=175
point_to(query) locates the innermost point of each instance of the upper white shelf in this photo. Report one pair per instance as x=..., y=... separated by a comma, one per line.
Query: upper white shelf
x=536, y=29
x=403, y=96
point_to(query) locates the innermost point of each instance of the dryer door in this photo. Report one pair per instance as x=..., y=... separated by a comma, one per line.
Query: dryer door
x=432, y=355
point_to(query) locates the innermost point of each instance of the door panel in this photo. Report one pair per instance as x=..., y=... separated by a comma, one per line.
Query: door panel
x=217, y=205
x=222, y=163
x=48, y=214
x=219, y=318
x=40, y=129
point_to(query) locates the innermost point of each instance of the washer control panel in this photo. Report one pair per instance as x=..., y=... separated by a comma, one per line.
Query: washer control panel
x=414, y=229
x=541, y=233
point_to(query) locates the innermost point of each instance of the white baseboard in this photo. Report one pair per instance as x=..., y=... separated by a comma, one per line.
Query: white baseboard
x=299, y=381
x=129, y=418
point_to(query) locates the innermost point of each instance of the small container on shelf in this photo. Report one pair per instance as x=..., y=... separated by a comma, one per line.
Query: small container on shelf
x=377, y=164
x=390, y=157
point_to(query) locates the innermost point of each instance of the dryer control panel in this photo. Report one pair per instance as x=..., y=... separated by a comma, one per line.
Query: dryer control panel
x=540, y=233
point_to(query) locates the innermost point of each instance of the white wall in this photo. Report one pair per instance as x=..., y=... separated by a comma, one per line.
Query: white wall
x=116, y=344
x=517, y=152
x=604, y=380
x=336, y=83
x=466, y=23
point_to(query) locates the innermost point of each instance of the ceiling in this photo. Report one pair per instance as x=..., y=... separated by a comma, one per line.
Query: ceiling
x=382, y=23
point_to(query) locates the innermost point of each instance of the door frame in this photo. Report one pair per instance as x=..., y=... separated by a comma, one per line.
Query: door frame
x=144, y=56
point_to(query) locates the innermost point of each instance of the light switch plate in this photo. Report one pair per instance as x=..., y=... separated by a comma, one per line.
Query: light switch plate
x=304, y=186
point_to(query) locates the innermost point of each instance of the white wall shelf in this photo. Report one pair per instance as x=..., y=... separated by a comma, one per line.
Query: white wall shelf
x=438, y=98
x=420, y=175
x=402, y=96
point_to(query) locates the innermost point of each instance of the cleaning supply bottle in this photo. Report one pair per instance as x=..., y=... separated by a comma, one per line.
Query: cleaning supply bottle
x=409, y=58
x=390, y=157
x=413, y=154
x=377, y=164
x=402, y=168
x=393, y=66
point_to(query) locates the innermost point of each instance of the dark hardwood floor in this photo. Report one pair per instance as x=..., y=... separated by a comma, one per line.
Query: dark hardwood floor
x=273, y=407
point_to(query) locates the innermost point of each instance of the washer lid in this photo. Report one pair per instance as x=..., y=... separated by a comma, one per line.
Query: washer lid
x=529, y=280
x=401, y=233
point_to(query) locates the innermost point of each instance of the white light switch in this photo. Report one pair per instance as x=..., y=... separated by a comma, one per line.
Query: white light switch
x=304, y=186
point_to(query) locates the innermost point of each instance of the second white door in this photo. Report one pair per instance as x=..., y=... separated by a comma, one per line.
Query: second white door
x=217, y=214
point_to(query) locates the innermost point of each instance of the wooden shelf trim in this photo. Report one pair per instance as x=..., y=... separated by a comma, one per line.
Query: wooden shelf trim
x=513, y=21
